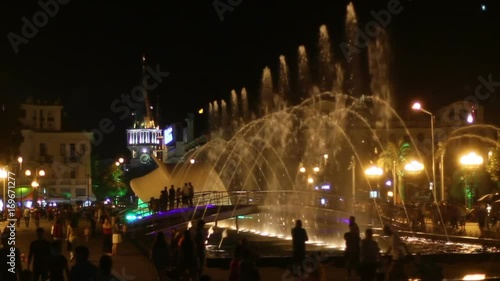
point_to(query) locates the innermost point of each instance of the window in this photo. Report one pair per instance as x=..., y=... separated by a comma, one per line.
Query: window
x=80, y=192
x=72, y=149
x=83, y=149
x=62, y=149
x=73, y=173
x=43, y=149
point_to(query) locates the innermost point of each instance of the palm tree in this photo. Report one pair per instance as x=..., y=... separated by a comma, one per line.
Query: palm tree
x=392, y=159
x=493, y=165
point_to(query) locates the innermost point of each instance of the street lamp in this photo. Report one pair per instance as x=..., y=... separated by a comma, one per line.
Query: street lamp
x=302, y=170
x=3, y=175
x=418, y=107
x=35, y=184
x=20, y=161
x=470, y=161
x=374, y=171
x=414, y=167
x=121, y=160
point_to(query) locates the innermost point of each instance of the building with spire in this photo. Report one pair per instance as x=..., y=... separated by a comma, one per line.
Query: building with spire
x=144, y=139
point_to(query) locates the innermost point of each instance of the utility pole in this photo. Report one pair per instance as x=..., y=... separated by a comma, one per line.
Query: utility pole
x=353, y=168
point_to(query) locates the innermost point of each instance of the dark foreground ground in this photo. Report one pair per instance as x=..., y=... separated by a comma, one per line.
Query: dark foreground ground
x=132, y=263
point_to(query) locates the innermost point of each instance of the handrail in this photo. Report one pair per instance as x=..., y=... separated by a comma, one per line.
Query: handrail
x=259, y=197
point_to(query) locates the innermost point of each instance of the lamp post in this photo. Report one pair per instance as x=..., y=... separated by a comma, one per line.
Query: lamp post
x=35, y=184
x=3, y=175
x=418, y=107
x=353, y=170
x=20, y=161
x=413, y=168
x=374, y=172
x=470, y=161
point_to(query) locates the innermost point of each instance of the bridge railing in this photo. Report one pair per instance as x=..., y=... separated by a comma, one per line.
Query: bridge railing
x=273, y=197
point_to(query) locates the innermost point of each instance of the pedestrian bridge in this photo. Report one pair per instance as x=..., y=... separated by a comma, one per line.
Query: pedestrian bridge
x=217, y=206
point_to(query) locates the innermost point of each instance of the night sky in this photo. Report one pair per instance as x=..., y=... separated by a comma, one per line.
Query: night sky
x=90, y=51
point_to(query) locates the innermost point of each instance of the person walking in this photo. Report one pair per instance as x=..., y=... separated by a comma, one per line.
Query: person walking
x=27, y=216
x=299, y=239
x=117, y=235
x=160, y=256
x=57, y=230
x=72, y=238
x=39, y=253
x=107, y=243
x=396, y=251
x=19, y=216
x=369, y=257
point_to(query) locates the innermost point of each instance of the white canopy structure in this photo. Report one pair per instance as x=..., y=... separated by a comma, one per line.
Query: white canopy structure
x=202, y=176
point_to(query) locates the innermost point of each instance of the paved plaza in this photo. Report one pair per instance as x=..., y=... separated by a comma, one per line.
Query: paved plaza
x=132, y=264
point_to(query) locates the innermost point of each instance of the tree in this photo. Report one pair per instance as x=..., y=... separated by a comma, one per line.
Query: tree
x=493, y=166
x=109, y=180
x=393, y=158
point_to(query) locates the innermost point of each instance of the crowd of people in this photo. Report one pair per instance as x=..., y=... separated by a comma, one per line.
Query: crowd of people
x=172, y=198
x=363, y=258
x=183, y=258
x=71, y=229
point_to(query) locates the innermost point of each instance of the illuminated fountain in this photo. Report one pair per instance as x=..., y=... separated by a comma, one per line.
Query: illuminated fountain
x=300, y=141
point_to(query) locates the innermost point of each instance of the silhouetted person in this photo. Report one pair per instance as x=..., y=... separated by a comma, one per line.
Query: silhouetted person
x=351, y=253
x=352, y=221
x=175, y=237
x=83, y=270
x=248, y=268
x=39, y=254
x=185, y=195
x=299, y=238
x=187, y=259
x=178, y=196
x=200, y=238
x=58, y=264
x=191, y=194
x=163, y=199
x=396, y=250
x=160, y=255
x=369, y=257
x=171, y=197
x=105, y=268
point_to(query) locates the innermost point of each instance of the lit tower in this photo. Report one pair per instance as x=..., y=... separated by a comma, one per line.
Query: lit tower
x=145, y=138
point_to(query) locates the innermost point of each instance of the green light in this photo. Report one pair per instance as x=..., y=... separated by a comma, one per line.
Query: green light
x=131, y=217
